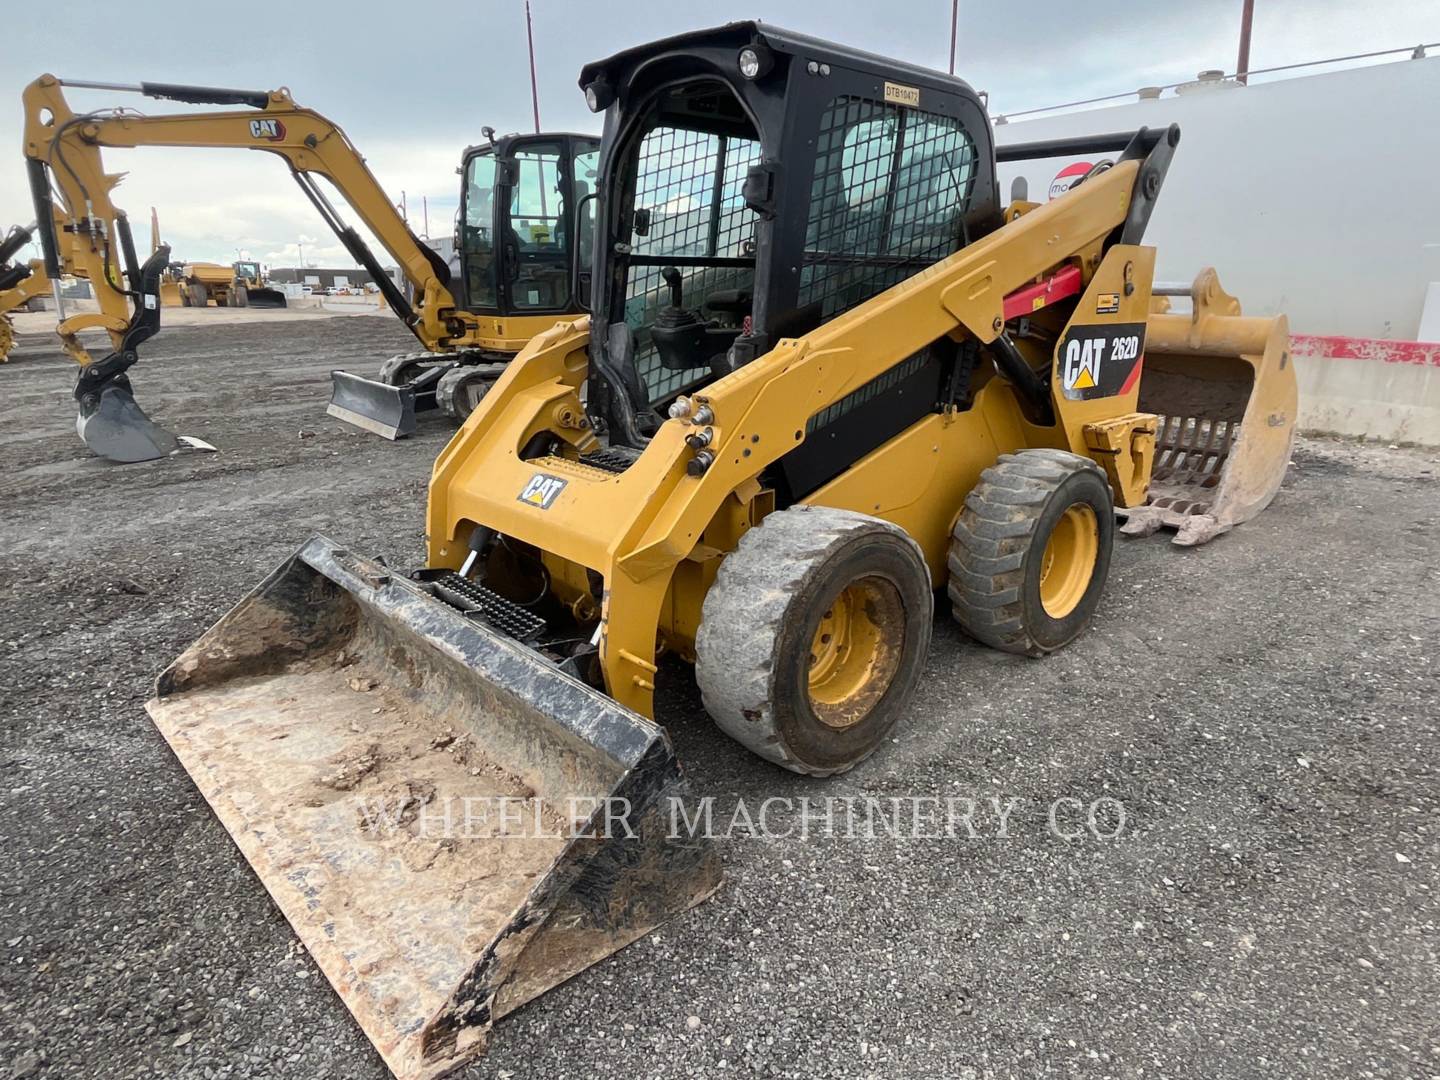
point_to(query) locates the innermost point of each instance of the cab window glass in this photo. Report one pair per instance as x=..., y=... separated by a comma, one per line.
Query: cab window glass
x=540, y=271
x=583, y=171
x=477, y=240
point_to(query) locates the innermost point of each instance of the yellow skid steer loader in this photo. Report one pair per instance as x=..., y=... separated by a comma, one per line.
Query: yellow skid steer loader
x=826, y=375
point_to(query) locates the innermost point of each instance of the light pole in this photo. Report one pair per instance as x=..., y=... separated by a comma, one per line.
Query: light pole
x=954, y=25
x=1242, y=62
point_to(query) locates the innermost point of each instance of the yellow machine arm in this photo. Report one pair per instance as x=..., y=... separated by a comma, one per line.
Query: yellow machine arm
x=68, y=145
x=22, y=282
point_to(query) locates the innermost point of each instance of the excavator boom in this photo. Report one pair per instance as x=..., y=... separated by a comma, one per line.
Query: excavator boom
x=72, y=193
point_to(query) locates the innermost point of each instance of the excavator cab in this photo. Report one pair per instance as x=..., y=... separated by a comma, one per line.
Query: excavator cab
x=518, y=242
x=517, y=214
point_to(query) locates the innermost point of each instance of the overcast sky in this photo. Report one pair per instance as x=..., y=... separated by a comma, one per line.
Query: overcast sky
x=413, y=85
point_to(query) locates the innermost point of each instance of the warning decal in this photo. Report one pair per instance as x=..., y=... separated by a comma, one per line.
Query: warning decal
x=1099, y=360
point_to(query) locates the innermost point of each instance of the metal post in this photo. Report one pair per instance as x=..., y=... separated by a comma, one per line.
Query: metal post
x=425, y=212
x=535, y=103
x=1242, y=63
x=954, y=24
x=534, y=88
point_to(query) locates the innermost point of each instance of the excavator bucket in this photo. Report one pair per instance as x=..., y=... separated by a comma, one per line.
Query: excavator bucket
x=1223, y=387
x=113, y=426
x=451, y=823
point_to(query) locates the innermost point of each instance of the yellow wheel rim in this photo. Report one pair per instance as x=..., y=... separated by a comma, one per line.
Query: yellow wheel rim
x=1068, y=564
x=7, y=338
x=855, y=651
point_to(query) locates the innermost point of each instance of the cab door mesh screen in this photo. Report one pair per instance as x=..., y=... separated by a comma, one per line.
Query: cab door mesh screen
x=690, y=183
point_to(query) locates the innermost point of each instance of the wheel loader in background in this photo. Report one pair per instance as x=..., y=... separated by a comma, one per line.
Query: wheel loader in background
x=19, y=283
x=241, y=284
x=519, y=253
x=872, y=382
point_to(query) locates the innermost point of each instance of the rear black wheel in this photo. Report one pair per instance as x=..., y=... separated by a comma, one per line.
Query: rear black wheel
x=813, y=637
x=1031, y=550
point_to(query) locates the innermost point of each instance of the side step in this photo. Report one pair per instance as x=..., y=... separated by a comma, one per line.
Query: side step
x=360, y=740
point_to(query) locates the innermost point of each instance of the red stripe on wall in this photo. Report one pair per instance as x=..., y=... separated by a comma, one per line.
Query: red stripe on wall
x=1328, y=347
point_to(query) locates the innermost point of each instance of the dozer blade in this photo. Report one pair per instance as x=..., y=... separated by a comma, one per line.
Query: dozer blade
x=360, y=739
x=113, y=426
x=1223, y=386
x=388, y=411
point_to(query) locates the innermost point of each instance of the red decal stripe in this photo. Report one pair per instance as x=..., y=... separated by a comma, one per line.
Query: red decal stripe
x=1133, y=377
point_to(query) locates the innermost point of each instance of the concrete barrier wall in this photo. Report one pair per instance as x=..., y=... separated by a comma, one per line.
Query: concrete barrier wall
x=1388, y=390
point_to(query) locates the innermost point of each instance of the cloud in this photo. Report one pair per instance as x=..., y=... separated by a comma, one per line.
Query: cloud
x=412, y=101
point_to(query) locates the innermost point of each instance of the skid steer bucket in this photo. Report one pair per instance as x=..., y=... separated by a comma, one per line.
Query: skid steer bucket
x=1223, y=387
x=450, y=823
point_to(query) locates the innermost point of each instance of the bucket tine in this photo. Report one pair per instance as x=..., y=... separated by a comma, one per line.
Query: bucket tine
x=1225, y=390
x=451, y=824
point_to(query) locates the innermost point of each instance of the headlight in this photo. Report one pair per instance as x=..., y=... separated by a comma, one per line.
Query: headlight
x=755, y=61
x=599, y=94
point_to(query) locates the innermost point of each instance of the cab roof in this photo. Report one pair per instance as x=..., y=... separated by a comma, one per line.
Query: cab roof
x=617, y=68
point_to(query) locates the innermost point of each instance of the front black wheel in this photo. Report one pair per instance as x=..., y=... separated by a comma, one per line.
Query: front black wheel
x=813, y=637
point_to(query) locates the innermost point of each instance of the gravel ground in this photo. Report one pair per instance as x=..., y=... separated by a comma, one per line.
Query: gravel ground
x=1263, y=708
